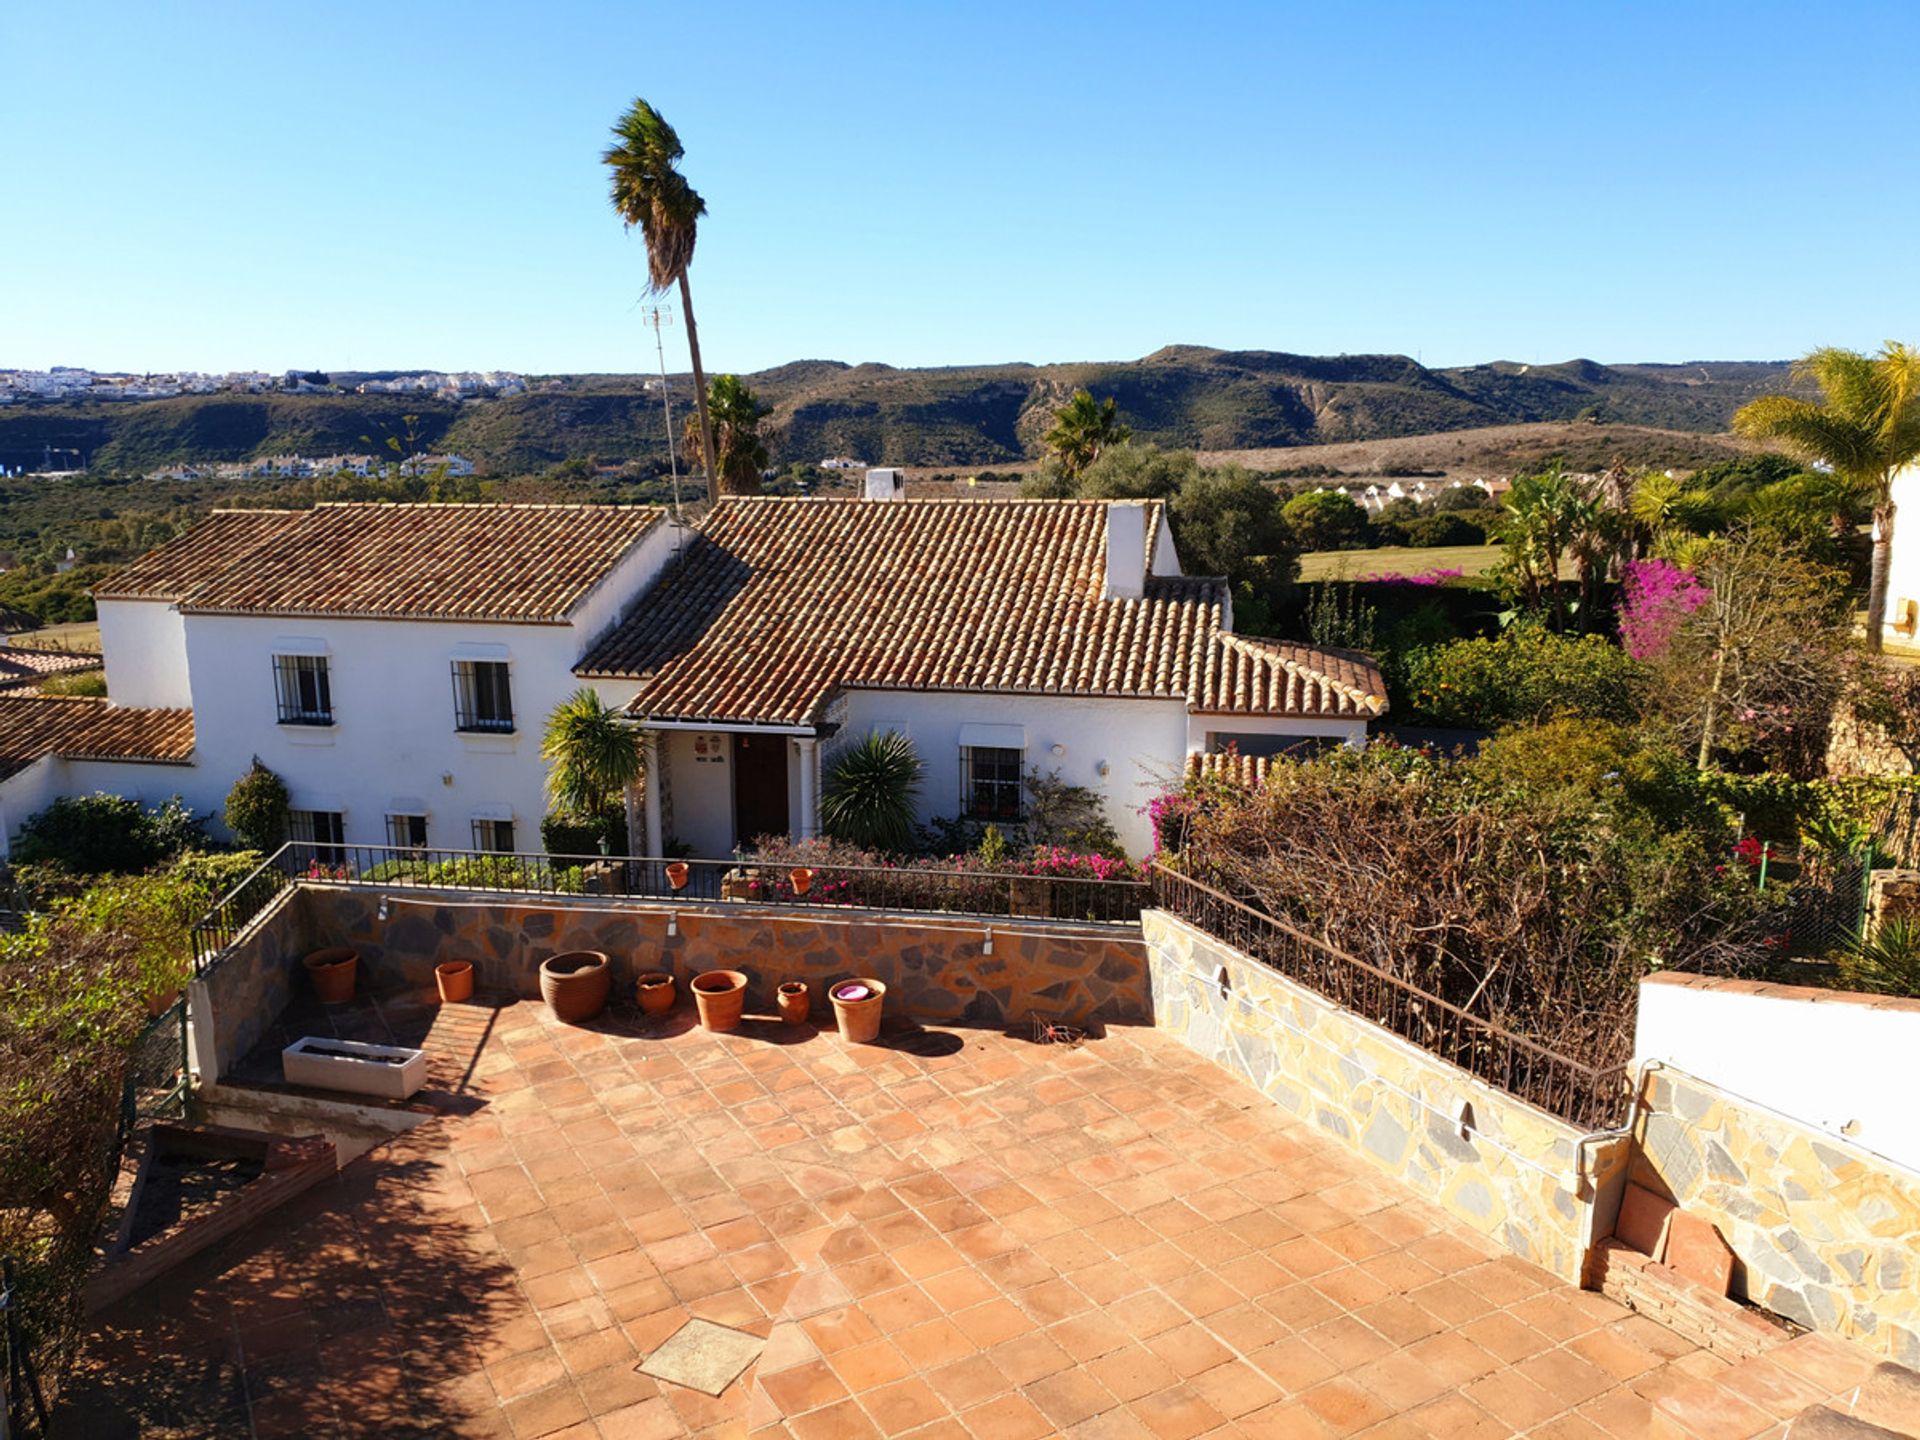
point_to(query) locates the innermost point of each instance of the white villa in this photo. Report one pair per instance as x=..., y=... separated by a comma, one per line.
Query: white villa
x=395, y=664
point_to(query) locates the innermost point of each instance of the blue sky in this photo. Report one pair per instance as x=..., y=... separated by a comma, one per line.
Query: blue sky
x=413, y=184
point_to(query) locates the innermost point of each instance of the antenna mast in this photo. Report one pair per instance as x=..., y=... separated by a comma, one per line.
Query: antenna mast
x=657, y=316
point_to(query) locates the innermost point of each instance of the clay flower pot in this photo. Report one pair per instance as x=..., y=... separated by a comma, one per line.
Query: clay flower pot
x=856, y=1008
x=575, y=984
x=801, y=878
x=455, y=979
x=332, y=971
x=721, y=996
x=677, y=874
x=793, y=1000
x=655, y=992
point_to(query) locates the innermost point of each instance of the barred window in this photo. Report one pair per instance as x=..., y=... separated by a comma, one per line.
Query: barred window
x=482, y=696
x=990, y=783
x=324, y=830
x=493, y=835
x=300, y=685
x=407, y=832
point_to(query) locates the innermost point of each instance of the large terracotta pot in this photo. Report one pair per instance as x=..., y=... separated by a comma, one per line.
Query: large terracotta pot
x=655, y=992
x=575, y=984
x=677, y=874
x=793, y=1000
x=332, y=971
x=455, y=979
x=721, y=996
x=858, y=1011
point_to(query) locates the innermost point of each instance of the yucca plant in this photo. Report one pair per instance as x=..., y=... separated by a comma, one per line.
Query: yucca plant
x=1886, y=962
x=871, y=795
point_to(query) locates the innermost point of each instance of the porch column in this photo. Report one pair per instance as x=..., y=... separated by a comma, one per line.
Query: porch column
x=654, y=840
x=808, y=824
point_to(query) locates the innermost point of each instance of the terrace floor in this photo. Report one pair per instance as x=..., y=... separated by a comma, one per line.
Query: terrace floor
x=949, y=1234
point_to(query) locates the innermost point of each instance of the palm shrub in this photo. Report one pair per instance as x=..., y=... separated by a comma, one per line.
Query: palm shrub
x=871, y=795
x=1886, y=962
x=596, y=754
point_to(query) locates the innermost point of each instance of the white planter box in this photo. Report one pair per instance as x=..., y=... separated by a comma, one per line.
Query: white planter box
x=392, y=1072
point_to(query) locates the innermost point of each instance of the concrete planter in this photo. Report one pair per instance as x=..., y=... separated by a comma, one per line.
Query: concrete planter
x=392, y=1072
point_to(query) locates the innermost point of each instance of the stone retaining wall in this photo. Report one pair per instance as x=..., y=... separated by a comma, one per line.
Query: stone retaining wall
x=1824, y=1232
x=1513, y=1177
x=230, y=1006
x=936, y=968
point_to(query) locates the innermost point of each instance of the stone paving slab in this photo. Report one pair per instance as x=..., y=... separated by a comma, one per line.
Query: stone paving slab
x=949, y=1234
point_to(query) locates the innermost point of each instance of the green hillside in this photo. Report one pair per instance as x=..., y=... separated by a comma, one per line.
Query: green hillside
x=952, y=416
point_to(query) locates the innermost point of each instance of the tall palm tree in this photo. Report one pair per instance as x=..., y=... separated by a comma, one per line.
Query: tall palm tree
x=1083, y=427
x=1865, y=426
x=648, y=191
x=740, y=451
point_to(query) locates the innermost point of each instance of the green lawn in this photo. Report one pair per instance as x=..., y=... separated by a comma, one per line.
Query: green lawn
x=1399, y=560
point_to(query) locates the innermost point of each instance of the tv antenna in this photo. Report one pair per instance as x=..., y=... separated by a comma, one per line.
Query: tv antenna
x=658, y=316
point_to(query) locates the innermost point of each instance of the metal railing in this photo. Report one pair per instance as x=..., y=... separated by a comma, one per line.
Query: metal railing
x=1594, y=1097
x=984, y=894
x=157, y=1076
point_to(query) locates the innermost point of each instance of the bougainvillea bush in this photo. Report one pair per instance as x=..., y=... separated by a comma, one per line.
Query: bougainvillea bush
x=1655, y=596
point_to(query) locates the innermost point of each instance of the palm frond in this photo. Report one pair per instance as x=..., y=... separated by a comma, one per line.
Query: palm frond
x=649, y=192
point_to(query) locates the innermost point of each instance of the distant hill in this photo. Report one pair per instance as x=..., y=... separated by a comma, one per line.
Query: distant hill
x=1186, y=396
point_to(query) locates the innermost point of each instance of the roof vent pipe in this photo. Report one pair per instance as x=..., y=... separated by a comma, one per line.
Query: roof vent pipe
x=1126, y=550
x=886, y=485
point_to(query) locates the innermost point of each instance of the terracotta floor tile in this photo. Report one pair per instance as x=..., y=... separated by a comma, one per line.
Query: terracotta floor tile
x=902, y=1406
x=1011, y=1417
x=1176, y=1413
x=802, y=1388
x=1343, y=1407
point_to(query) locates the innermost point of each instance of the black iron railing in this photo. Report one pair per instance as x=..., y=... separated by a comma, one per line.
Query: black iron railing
x=1586, y=1095
x=974, y=893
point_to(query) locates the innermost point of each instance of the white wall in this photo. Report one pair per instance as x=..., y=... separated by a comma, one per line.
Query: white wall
x=614, y=598
x=702, y=789
x=144, y=644
x=393, y=735
x=27, y=792
x=1836, y=1061
x=1143, y=743
x=1202, y=729
x=1903, y=567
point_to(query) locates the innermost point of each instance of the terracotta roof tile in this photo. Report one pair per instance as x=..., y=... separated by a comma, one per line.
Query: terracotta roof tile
x=22, y=670
x=779, y=603
x=88, y=729
x=380, y=561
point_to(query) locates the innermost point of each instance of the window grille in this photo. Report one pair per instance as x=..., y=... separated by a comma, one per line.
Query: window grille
x=407, y=832
x=324, y=830
x=301, y=687
x=494, y=835
x=482, y=696
x=990, y=782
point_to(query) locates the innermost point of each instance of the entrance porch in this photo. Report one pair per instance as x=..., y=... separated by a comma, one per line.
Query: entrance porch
x=715, y=790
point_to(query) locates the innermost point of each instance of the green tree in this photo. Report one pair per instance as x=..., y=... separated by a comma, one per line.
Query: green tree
x=871, y=794
x=1325, y=520
x=649, y=191
x=1551, y=517
x=257, y=808
x=1865, y=426
x=1226, y=522
x=740, y=452
x=1083, y=428
x=596, y=753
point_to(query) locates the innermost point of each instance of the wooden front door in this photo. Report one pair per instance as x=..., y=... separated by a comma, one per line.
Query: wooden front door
x=759, y=787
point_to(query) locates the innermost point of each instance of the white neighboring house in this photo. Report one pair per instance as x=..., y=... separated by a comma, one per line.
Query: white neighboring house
x=1902, y=625
x=1000, y=636
x=395, y=664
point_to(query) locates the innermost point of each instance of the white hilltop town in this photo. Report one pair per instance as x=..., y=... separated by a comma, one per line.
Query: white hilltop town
x=74, y=384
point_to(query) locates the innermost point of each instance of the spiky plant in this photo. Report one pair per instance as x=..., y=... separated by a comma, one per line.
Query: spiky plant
x=1082, y=428
x=649, y=192
x=1887, y=962
x=1865, y=426
x=740, y=450
x=871, y=795
x=596, y=754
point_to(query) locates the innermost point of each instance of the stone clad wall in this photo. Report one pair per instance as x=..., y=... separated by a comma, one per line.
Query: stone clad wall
x=1824, y=1232
x=1357, y=1081
x=935, y=967
x=230, y=1007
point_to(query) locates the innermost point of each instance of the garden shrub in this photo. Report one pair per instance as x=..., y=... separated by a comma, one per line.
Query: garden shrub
x=569, y=834
x=103, y=834
x=1521, y=676
x=257, y=808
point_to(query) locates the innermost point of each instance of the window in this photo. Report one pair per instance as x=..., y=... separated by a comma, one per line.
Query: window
x=407, y=832
x=300, y=685
x=990, y=783
x=493, y=835
x=322, y=829
x=482, y=698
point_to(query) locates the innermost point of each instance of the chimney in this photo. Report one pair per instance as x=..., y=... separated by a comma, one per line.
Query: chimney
x=1126, y=550
x=886, y=485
